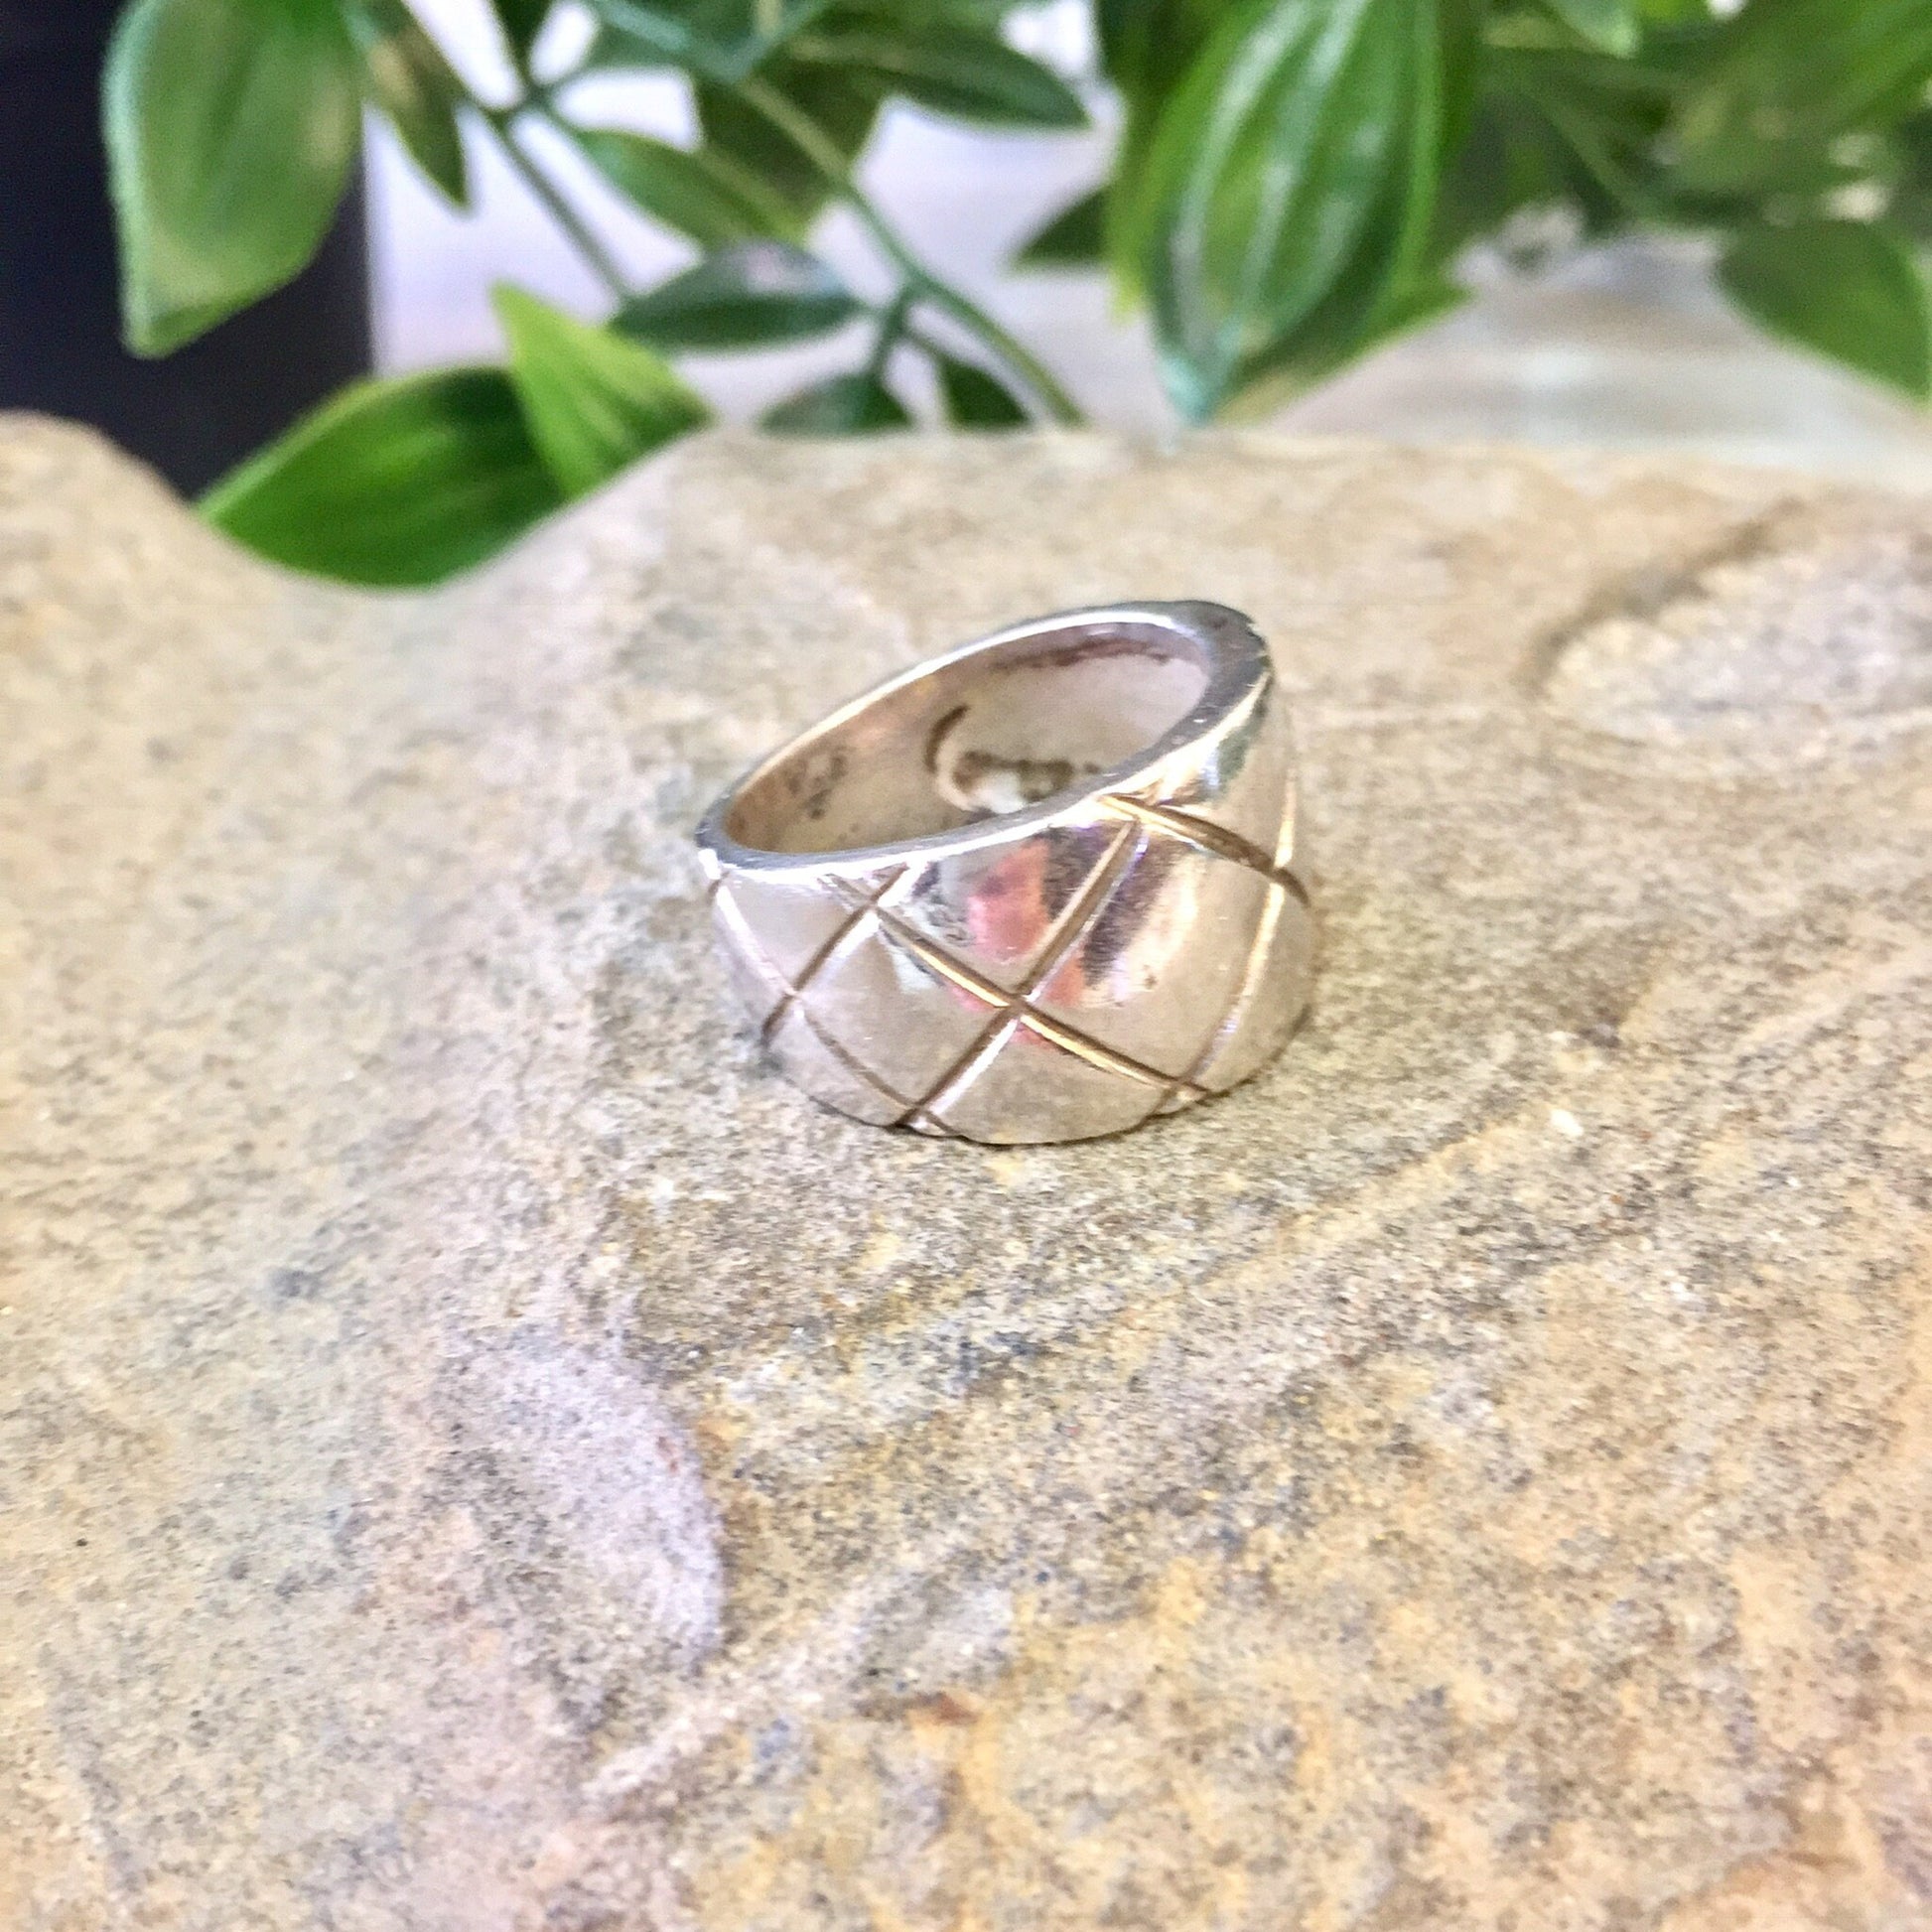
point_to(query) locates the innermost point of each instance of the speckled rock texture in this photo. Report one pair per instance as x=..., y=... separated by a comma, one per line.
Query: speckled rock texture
x=478, y=1452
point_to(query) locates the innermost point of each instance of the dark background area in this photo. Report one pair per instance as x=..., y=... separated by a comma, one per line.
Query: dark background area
x=192, y=414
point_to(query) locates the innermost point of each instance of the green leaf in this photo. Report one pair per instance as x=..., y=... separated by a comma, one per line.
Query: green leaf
x=1076, y=237
x=1789, y=75
x=231, y=126
x=1555, y=127
x=521, y=21
x=1146, y=46
x=612, y=48
x=1615, y=26
x=842, y=106
x=1510, y=160
x=1339, y=331
x=748, y=297
x=1910, y=205
x=712, y=40
x=664, y=35
x=952, y=71
x=595, y=403
x=847, y=405
x=1846, y=289
x=700, y=191
x=976, y=400
x=916, y=16
x=397, y=483
x=1295, y=174
x=408, y=80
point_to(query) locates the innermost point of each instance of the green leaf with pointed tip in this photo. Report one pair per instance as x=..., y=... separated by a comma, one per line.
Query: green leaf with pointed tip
x=595, y=403
x=847, y=405
x=1294, y=177
x=1615, y=26
x=976, y=400
x=231, y=126
x=521, y=21
x=407, y=78
x=394, y=482
x=1076, y=237
x=952, y=71
x=1848, y=290
x=746, y=297
x=700, y=191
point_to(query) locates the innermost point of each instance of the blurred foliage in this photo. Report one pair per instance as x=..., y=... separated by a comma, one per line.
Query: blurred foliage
x=1295, y=181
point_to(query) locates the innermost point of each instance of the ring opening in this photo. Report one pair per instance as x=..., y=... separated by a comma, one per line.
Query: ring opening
x=998, y=732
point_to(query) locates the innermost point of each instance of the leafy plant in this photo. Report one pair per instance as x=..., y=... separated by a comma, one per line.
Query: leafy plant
x=1295, y=182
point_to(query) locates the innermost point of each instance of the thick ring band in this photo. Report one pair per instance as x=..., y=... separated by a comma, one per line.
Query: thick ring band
x=1038, y=888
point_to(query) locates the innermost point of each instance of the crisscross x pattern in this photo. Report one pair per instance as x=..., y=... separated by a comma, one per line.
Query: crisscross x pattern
x=867, y=906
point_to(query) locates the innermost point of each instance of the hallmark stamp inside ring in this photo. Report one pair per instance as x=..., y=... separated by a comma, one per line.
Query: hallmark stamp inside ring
x=1042, y=888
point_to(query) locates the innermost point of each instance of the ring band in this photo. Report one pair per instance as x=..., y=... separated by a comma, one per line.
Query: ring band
x=1042, y=888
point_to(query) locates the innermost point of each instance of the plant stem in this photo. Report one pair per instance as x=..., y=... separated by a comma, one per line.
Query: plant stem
x=810, y=139
x=603, y=265
x=1014, y=353
x=892, y=330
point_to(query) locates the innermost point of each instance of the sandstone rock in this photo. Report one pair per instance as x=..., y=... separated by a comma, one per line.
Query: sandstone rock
x=478, y=1450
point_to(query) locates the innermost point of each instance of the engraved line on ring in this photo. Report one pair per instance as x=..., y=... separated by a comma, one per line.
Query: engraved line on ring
x=1216, y=840
x=813, y=966
x=1073, y=926
x=1066, y=932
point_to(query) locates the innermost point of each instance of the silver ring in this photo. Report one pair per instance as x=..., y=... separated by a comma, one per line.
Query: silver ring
x=1038, y=888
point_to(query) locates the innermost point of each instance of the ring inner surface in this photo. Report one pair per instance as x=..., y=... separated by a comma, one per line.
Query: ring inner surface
x=996, y=733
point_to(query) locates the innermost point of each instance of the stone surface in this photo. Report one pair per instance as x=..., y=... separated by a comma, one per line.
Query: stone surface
x=478, y=1450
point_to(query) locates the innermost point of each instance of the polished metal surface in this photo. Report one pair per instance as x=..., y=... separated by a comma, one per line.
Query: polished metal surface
x=1041, y=889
